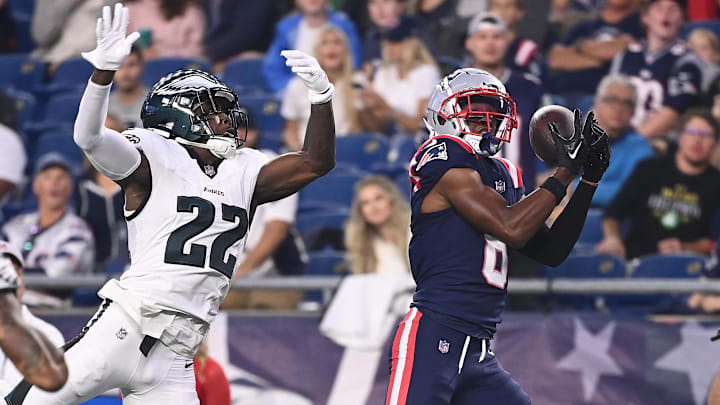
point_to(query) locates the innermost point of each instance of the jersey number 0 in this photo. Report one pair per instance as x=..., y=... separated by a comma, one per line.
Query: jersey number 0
x=205, y=217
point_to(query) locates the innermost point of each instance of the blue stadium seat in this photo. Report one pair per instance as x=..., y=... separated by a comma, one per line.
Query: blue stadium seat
x=592, y=230
x=402, y=149
x=264, y=108
x=245, y=74
x=330, y=191
x=22, y=8
x=327, y=263
x=311, y=223
x=62, y=143
x=402, y=181
x=61, y=110
x=25, y=42
x=272, y=141
x=21, y=72
x=669, y=266
x=712, y=25
x=70, y=75
x=155, y=69
x=362, y=150
x=586, y=266
x=26, y=105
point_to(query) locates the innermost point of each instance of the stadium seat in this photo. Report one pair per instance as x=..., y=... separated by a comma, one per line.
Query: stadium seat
x=25, y=42
x=61, y=143
x=22, y=8
x=330, y=191
x=265, y=109
x=312, y=226
x=155, y=69
x=586, y=266
x=402, y=181
x=70, y=75
x=25, y=104
x=669, y=266
x=19, y=71
x=362, y=150
x=60, y=110
x=712, y=25
x=592, y=230
x=245, y=74
x=327, y=263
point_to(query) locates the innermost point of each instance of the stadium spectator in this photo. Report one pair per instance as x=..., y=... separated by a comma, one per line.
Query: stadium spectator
x=99, y=201
x=211, y=384
x=488, y=41
x=272, y=248
x=666, y=73
x=384, y=15
x=8, y=40
x=53, y=240
x=9, y=374
x=172, y=28
x=670, y=201
x=614, y=105
x=443, y=27
x=397, y=97
x=563, y=16
x=583, y=56
x=333, y=54
x=62, y=29
x=243, y=28
x=376, y=235
x=523, y=53
x=300, y=31
x=12, y=165
x=705, y=44
x=129, y=93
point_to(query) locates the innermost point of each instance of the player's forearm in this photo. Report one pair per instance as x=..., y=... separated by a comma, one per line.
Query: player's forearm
x=604, y=50
x=319, y=145
x=93, y=110
x=554, y=246
x=36, y=359
x=658, y=124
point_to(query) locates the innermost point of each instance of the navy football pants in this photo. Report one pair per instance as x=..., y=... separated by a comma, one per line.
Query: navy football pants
x=432, y=364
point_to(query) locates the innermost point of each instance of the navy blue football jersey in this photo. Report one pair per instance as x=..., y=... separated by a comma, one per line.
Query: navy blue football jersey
x=460, y=272
x=523, y=54
x=671, y=77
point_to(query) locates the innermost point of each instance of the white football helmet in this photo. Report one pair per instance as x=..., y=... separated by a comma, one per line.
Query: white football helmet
x=472, y=94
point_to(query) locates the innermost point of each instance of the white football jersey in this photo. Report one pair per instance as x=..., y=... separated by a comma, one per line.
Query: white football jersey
x=184, y=242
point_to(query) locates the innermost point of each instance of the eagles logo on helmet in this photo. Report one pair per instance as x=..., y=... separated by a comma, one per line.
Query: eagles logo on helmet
x=472, y=104
x=181, y=104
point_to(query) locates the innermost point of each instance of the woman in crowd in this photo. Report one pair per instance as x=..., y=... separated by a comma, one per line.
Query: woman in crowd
x=376, y=235
x=395, y=101
x=333, y=54
x=168, y=28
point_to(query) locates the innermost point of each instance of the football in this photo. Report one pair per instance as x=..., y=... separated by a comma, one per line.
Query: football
x=540, y=136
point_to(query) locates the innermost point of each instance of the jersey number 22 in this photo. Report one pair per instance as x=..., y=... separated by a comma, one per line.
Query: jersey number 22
x=205, y=217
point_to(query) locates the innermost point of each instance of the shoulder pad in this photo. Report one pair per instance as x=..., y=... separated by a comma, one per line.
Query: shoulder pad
x=441, y=148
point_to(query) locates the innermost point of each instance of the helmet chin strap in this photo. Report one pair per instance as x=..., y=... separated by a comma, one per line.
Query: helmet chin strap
x=219, y=146
x=486, y=144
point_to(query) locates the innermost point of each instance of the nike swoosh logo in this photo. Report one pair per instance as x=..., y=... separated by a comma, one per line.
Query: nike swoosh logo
x=574, y=153
x=188, y=364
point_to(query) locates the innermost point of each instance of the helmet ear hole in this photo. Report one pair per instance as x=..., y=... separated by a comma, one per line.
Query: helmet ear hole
x=441, y=120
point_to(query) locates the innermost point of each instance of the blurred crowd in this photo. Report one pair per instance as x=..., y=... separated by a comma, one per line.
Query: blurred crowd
x=649, y=69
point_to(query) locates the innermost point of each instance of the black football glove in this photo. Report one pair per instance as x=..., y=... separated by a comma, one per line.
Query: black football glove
x=572, y=151
x=598, y=158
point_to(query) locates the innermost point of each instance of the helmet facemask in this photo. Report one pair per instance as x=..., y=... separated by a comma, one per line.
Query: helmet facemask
x=483, y=117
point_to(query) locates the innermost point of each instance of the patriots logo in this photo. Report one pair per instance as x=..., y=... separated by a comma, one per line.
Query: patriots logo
x=438, y=151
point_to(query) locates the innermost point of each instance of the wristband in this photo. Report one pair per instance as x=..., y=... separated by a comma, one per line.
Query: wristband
x=554, y=186
x=321, y=98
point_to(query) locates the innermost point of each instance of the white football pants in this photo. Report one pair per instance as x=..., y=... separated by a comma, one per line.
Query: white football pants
x=108, y=356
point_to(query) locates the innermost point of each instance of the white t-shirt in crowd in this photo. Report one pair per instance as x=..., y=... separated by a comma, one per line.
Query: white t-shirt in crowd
x=14, y=159
x=403, y=95
x=280, y=210
x=390, y=260
x=296, y=106
x=8, y=373
x=307, y=37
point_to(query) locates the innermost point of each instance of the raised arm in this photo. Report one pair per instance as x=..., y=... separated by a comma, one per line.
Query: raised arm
x=290, y=172
x=107, y=150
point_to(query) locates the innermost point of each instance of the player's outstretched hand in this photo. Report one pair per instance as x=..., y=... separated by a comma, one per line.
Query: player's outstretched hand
x=309, y=71
x=572, y=151
x=112, y=45
x=598, y=158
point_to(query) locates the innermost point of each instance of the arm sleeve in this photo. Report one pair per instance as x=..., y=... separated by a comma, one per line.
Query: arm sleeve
x=552, y=246
x=107, y=150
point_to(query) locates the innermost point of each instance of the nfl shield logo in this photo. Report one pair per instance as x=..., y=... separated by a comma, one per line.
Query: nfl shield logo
x=121, y=334
x=210, y=170
x=500, y=186
x=443, y=346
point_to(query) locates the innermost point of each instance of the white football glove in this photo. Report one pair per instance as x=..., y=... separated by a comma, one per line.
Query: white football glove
x=112, y=45
x=8, y=274
x=320, y=90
